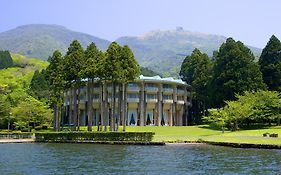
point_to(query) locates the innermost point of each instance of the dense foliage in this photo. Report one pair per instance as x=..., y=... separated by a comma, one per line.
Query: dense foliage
x=95, y=136
x=5, y=59
x=17, y=107
x=234, y=72
x=252, y=108
x=230, y=73
x=270, y=62
x=196, y=71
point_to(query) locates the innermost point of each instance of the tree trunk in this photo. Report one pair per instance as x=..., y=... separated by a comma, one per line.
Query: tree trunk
x=123, y=106
x=90, y=106
x=105, y=119
x=75, y=107
x=59, y=117
x=113, y=95
x=55, y=117
x=78, y=110
x=119, y=107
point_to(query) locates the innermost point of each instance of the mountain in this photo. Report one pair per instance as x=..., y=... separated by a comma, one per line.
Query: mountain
x=160, y=51
x=164, y=51
x=41, y=40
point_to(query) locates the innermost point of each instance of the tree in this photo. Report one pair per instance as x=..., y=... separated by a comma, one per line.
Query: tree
x=130, y=70
x=113, y=72
x=234, y=72
x=90, y=71
x=261, y=107
x=5, y=60
x=270, y=62
x=5, y=109
x=31, y=112
x=119, y=67
x=73, y=64
x=55, y=76
x=196, y=71
x=39, y=86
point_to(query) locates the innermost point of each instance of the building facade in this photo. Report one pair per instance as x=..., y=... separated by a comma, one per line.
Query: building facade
x=148, y=101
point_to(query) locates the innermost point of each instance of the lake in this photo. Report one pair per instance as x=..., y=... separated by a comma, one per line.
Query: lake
x=53, y=158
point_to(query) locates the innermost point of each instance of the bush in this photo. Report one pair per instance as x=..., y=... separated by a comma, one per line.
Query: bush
x=25, y=130
x=37, y=128
x=95, y=136
x=44, y=127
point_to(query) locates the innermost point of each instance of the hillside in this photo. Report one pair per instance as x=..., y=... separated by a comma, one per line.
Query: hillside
x=160, y=51
x=40, y=41
x=164, y=51
x=16, y=80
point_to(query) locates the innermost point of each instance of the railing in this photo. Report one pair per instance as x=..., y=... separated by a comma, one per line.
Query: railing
x=151, y=100
x=133, y=100
x=133, y=88
x=181, y=102
x=151, y=89
x=170, y=90
x=168, y=101
x=181, y=91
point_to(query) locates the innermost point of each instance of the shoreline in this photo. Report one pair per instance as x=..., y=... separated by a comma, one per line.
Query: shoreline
x=225, y=144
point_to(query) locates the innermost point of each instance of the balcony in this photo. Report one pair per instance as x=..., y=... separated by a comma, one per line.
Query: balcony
x=181, y=91
x=133, y=100
x=151, y=89
x=168, y=90
x=168, y=101
x=151, y=100
x=180, y=102
x=96, y=100
x=133, y=89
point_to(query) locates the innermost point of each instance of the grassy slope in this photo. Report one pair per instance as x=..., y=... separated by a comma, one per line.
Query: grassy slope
x=18, y=78
x=194, y=133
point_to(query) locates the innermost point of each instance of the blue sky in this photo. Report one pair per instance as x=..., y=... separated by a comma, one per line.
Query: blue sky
x=251, y=21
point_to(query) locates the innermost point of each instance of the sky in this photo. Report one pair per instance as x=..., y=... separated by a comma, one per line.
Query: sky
x=250, y=21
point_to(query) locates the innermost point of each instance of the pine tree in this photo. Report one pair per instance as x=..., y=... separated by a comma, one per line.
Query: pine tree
x=234, y=72
x=196, y=71
x=270, y=62
x=90, y=71
x=73, y=65
x=55, y=76
x=5, y=60
x=39, y=86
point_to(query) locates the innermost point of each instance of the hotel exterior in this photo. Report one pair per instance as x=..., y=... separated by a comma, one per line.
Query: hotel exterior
x=152, y=101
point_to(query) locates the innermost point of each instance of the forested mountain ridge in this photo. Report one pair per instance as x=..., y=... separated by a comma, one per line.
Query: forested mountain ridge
x=41, y=40
x=164, y=51
x=160, y=51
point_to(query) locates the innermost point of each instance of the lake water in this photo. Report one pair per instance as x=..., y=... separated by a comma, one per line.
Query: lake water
x=54, y=158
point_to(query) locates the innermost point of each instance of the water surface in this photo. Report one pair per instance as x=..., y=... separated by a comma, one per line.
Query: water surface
x=55, y=158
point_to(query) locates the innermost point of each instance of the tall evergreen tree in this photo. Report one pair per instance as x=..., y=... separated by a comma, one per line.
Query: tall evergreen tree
x=39, y=86
x=234, y=72
x=130, y=70
x=112, y=72
x=73, y=64
x=90, y=71
x=55, y=76
x=5, y=59
x=270, y=62
x=196, y=71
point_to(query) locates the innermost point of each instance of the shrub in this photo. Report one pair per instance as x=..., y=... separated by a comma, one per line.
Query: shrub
x=37, y=128
x=95, y=136
x=45, y=127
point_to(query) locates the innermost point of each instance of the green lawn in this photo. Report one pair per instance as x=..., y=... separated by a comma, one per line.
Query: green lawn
x=203, y=132
x=194, y=133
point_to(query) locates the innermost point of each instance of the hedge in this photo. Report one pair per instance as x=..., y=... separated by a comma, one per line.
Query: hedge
x=6, y=135
x=94, y=136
